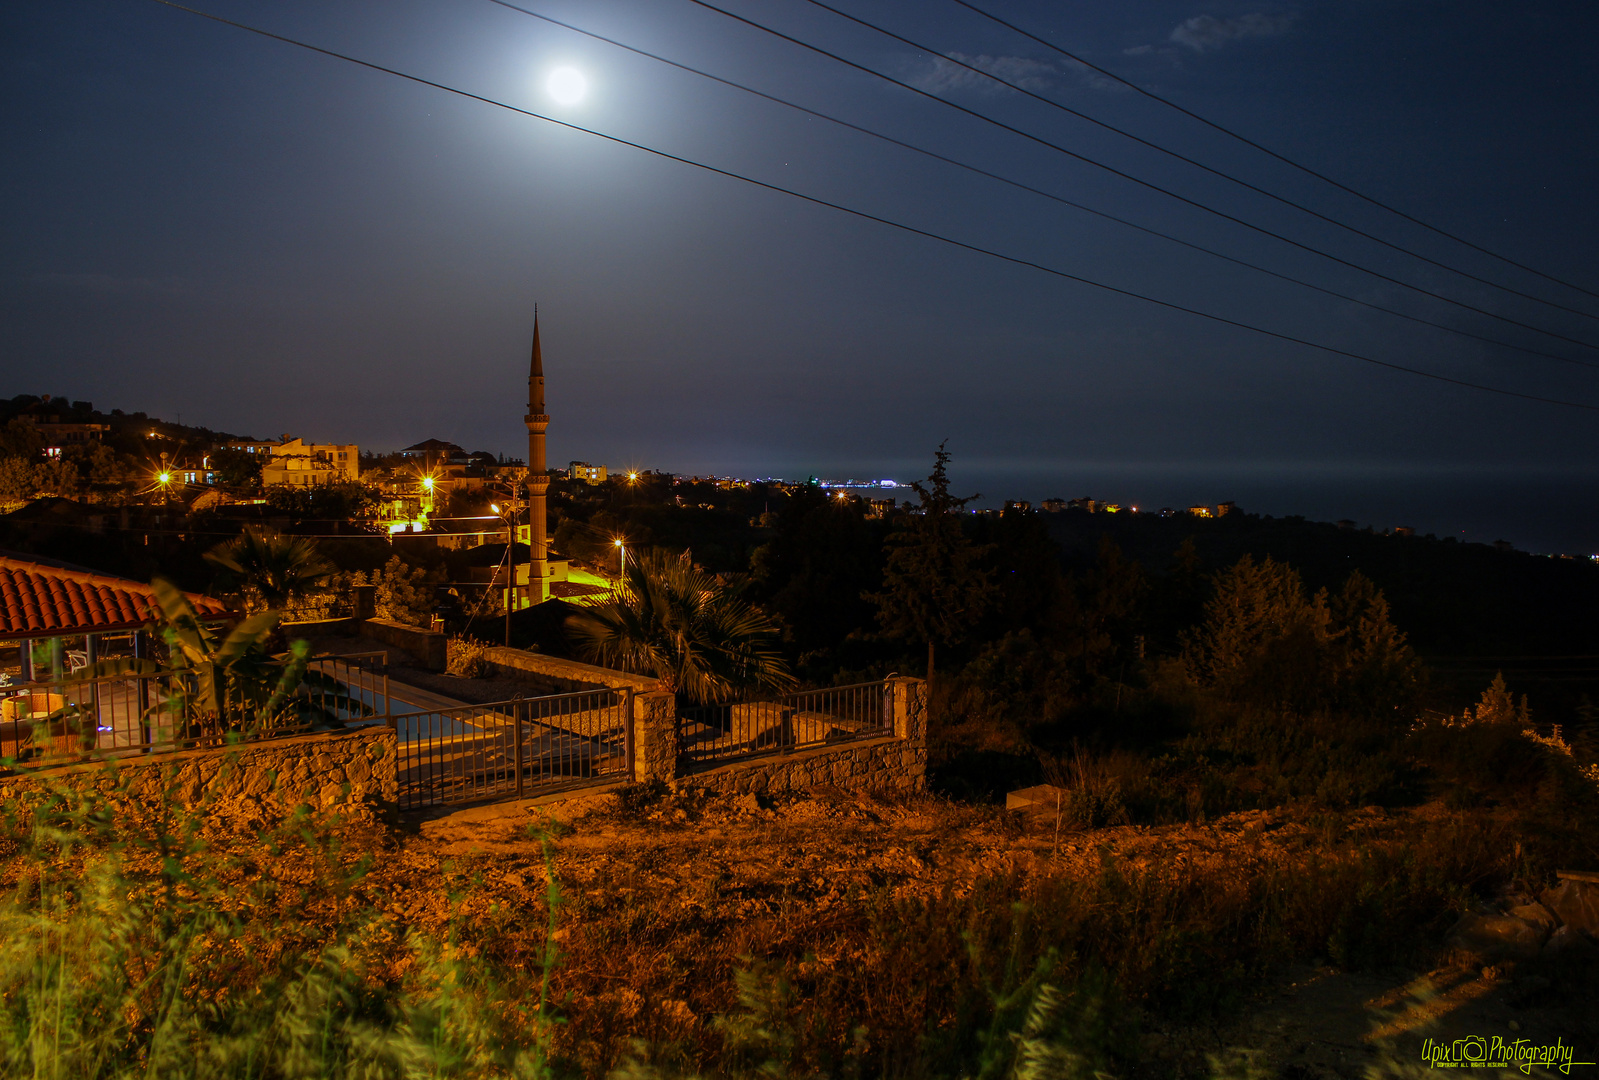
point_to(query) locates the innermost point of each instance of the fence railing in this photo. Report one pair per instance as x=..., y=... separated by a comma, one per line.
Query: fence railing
x=792, y=722
x=513, y=748
x=68, y=719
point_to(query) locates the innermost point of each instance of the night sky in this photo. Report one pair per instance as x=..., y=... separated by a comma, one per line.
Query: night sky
x=200, y=221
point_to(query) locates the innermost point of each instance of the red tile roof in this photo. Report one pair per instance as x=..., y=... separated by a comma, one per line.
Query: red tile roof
x=38, y=600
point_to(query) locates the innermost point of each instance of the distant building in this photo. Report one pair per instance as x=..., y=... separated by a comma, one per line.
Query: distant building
x=1020, y=505
x=1053, y=506
x=253, y=447
x=57, y=435
x=1504, y=545
x=1201, y=511
x=1404, y=530
x=1223, y=509
x=589, y=474
x=302, y=464
x=1085, y=503
x=433, y=450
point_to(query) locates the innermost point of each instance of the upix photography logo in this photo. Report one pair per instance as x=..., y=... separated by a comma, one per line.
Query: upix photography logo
x=1494, y=1052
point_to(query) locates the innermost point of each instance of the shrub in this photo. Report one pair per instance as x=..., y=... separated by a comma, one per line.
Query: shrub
x=467, y=658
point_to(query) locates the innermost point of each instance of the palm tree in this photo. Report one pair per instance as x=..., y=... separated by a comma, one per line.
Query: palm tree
x=271, y=570
x=236, y=684
x=688, y=628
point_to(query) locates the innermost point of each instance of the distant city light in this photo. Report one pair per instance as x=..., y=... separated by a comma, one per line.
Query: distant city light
x=567, y=85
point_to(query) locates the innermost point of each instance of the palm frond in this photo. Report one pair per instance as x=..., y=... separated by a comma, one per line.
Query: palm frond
x=687, y=627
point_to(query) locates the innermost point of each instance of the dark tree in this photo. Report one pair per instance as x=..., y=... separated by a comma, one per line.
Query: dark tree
x=822, y=557
x=237, y=468
x=934, y=586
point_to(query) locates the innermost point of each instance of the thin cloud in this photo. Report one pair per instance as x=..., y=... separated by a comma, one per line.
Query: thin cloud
x=1204, y=33
x=950, y=77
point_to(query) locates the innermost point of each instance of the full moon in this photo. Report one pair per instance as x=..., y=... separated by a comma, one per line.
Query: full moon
x=567, y=85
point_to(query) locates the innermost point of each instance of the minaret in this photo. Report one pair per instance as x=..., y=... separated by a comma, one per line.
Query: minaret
x=538, y=479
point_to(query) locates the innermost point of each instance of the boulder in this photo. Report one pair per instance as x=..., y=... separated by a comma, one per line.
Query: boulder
x=1498, y=937
x=1536, y=914
x=1569, y=941
x=1576, y=904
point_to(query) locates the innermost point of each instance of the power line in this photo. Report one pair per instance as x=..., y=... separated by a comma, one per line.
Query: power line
x=1133, y=179
x=865, y=216
x=1307, y=170
x=1052, y=103
x=1019, y=185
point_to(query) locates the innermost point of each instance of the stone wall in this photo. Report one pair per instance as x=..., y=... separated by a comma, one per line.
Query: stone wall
x=351, y=772
x=883, y=763
x=321, y=628
x=428, y=648
x=567, y=675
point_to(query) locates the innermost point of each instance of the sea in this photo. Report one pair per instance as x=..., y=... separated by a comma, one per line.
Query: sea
x=1548, y=512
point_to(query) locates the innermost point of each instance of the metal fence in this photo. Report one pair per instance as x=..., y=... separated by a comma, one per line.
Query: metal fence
x=117, y=715
x=512, y=748
x=795, y=721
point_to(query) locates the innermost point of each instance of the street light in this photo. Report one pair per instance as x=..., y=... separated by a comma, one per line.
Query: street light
x=621, y=566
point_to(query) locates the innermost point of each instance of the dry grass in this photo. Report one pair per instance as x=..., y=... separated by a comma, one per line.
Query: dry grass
x=837, y=934
x=891, y=926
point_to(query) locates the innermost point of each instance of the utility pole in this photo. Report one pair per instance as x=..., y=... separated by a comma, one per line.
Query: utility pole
x=510, y=563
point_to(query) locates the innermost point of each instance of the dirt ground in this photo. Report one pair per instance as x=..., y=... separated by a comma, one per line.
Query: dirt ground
x=732, y=861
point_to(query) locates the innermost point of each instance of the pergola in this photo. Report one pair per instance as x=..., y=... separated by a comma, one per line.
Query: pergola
x=61, y=616
x=44, y=605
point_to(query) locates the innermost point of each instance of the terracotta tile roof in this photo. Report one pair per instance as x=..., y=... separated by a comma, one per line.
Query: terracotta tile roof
x=39, y=600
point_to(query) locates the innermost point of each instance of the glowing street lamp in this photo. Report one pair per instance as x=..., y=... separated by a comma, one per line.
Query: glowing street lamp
x=621, y=567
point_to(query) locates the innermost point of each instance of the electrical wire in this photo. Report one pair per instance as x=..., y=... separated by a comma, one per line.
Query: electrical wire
x=1020, y=186
x=1052, y=103
x=1269, y=152
x=865, y=216
x=1134, y=179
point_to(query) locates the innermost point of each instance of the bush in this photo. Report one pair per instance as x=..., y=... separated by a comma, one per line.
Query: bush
x=467, y=659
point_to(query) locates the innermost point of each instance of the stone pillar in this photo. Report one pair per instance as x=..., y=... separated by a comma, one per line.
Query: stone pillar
x=910, y=725
x=910, y=708
x=366, y=602
x=655, y=736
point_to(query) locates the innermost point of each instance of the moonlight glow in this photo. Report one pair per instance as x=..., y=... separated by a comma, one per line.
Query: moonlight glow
x=567, y=85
